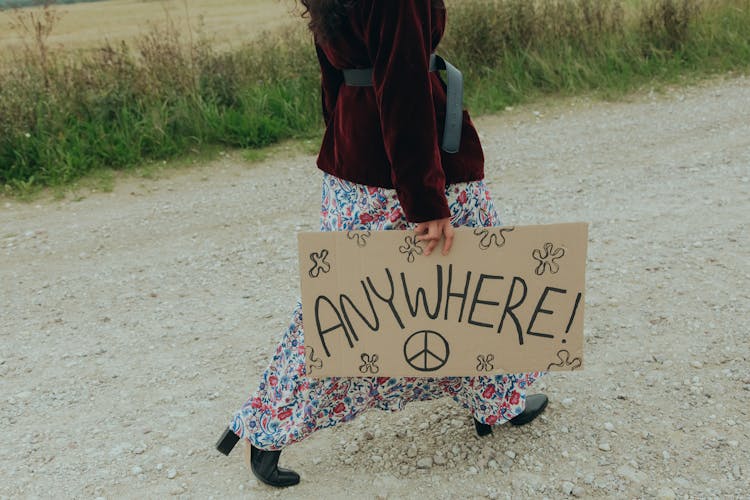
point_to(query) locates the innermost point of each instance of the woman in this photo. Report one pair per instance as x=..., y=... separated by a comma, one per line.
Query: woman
x=398, y=153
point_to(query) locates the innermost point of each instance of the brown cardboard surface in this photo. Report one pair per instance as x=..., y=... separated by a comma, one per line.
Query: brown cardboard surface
x=506, y=300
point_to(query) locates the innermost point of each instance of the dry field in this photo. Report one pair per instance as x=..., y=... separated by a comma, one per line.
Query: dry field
x=87, y=25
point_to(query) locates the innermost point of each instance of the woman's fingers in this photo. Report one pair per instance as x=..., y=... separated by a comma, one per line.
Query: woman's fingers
x=433, y=232
x=433, y=236
x=423, y=230
x=448, y=231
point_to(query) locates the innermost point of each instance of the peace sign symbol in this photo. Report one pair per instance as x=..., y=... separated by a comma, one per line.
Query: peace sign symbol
x=426, y=351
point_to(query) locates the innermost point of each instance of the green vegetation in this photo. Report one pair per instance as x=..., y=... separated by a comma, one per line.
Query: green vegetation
x=570, y=46
x=62, y=116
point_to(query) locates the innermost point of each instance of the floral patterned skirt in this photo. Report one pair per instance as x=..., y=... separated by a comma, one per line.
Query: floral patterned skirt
x=287, y=406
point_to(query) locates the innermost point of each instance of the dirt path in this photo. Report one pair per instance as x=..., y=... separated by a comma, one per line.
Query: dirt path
x=134, y=323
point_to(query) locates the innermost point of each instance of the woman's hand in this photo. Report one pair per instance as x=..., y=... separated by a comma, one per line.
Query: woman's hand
x=433, y=231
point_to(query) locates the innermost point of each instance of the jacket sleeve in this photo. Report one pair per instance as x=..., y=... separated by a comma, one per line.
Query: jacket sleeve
x=399, y=42
x=331, y=79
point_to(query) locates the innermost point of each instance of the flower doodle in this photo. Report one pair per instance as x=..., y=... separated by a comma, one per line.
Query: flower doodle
x=360, y=236
x=548, y=258
x=492, y=236
x=411, y=248
x=369, y=363
x=313, y=363
x=565, y=362
x=320, y=265
x=485, y=363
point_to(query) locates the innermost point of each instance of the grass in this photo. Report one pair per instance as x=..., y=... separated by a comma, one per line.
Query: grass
x=173, y=93
x=567, y=47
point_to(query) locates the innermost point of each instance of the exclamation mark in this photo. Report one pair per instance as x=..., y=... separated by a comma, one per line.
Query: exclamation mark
x=572, y=316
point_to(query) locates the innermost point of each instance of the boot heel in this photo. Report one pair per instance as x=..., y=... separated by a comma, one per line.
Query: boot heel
x=227, y=441
x=482, y=429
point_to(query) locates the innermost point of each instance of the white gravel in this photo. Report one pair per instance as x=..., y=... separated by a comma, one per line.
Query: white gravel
x=135, y=322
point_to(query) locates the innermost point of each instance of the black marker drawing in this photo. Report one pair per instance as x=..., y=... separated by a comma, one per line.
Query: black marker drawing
x=547, y=258
x=426, y=351
x=411, y=248
x=320, y=265
x=360, y=236
x=572, y=316
x=313, y=363
x=565, y=362
x=489, y=236
x=369, y=363
x=485, y=363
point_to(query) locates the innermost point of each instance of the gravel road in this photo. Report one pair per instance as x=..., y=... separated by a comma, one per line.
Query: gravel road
x=135, y=322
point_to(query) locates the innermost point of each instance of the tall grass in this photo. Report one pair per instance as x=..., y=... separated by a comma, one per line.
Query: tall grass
x=64, y=115
x=569, y=46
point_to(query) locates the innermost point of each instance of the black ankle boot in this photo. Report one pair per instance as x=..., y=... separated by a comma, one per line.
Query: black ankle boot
x=264, y=465
x=535, y=405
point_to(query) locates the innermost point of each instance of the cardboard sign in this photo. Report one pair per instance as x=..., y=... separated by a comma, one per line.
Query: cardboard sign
x=505, y=300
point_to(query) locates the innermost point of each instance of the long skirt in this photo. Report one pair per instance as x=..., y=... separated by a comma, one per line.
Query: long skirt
x=287, y=406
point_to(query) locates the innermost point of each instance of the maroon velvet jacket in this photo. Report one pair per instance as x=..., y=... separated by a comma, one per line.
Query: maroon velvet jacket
x=388, y=135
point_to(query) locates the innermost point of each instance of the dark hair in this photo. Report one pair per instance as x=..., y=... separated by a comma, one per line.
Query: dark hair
x=327, y=16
